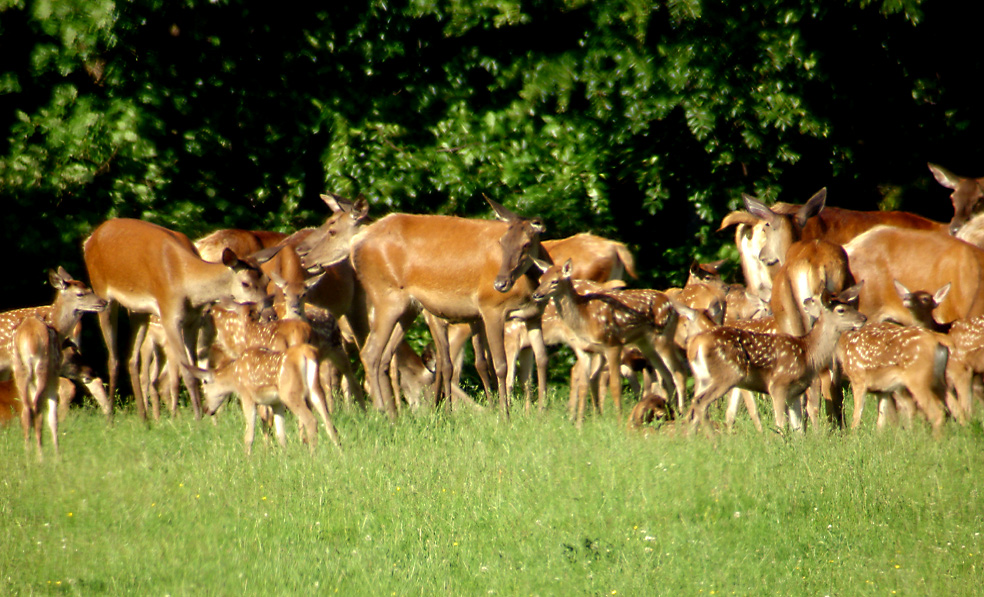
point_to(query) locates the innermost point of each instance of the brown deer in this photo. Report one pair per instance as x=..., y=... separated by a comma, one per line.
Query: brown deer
x=341, y=293
x=148, y=270
x=277, y=379
x=37, y=353
x=782, y=365
x=966, y=193
x=887, y=358
x=917, y=259
x=457, y=269
x=241, y=242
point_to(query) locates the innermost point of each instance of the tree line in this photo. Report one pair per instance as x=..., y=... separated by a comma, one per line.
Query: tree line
x=642, y=121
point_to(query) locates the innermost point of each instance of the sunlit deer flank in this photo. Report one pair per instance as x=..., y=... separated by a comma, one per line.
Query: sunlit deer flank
x=152, y=270
x=457, y=269
x=784, y=366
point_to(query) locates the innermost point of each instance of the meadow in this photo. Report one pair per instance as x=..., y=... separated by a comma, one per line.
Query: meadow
x=469, y=504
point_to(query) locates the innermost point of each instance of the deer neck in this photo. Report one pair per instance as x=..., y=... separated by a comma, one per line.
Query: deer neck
x=569, y=304
x=210, y=282
x=820, y=344
x=62, y=318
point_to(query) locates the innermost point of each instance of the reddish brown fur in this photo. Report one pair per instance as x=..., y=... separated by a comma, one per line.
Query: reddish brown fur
x=917, y=259
x=152, y=270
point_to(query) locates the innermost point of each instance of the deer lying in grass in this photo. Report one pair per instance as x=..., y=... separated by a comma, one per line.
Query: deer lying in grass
x=261, y=376
x=37, y=353
x=647, y=411
x=782, y=365
x=966, y=337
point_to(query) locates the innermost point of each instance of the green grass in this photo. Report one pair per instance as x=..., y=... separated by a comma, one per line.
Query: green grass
x=467, y=504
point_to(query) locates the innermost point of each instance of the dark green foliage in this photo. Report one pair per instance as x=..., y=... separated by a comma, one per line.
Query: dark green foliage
x=638, y=120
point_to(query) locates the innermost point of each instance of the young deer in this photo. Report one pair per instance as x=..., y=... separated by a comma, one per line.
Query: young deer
x=600, y=323
x=966, y=337
x=782, y=365
x=887, y=358
x=36, y=345
x=261, y=376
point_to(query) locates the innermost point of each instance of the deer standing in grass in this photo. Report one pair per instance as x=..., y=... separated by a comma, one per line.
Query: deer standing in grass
x=37, y=354
x=784, y=366
x=966, y=337
x=148, y=270
x=457, y=269
x=70, y=295
x=278, y=379
x=600, y=323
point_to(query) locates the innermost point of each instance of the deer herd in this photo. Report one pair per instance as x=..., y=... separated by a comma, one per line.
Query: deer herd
x=890, y=303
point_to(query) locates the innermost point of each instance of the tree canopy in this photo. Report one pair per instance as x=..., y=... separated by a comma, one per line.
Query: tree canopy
x=642, y=121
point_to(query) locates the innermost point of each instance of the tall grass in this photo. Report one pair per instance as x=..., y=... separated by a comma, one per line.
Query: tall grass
x=468, y=504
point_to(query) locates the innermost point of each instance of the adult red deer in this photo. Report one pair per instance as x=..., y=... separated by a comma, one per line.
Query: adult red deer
x=242, y=242
x=918, y=259
x=782, y=365
x=148, y=270
x=966, y=193
x=37, y=354
x=457, y=269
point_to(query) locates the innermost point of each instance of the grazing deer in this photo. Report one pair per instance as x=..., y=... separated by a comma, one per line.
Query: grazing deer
x=966, y=337
x=152, y=270
x=37, y=353
x=886, y=358
x=966, y=193
x=457, y=269
x=277, y=379
x=782, y=365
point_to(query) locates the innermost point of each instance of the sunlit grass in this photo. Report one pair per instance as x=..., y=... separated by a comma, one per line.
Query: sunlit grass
x=470, y=504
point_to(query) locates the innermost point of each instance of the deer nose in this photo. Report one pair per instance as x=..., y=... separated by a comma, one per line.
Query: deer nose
x=502, y=285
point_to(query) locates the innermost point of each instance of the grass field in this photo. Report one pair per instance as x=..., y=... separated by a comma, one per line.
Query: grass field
x=467, y=504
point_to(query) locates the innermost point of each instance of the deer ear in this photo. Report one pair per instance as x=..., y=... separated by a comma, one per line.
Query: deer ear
x=849, y=295
x=360, y=209
x=229, y=258
x=759, y=209
x=941, y=293
x=812, y=207
x=901, y=290
x=500, y=210
x=538, y=225
x=58, y=278
x=541, y=264
x=944, y=177
x=568, y=269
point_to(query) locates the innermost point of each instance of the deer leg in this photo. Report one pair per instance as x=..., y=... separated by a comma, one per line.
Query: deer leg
x=614, y=356
x=280, y=423
x=931, y=405
x=138, y=333
x=51, y=400
x=583, y=381
x=832, y=386
x=249, y=416
x=859, y=390
x=495, y=336
x=373, y=356
x=535, y=332
x=320, y=404
x=442, y=350
x=108, y=324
